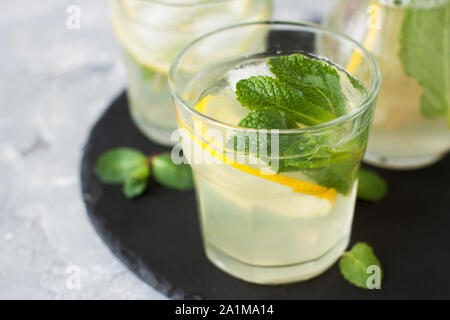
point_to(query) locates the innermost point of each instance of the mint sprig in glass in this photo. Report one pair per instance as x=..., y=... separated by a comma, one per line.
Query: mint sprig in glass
x=152, y=32
x=275, y=135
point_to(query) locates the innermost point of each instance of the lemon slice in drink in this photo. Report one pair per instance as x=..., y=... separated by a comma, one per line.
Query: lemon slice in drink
x=297, y=185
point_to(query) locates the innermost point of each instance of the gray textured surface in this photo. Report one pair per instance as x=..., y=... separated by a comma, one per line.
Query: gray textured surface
x=55, y=83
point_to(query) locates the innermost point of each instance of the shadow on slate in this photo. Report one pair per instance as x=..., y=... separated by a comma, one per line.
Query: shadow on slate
x=157, y=236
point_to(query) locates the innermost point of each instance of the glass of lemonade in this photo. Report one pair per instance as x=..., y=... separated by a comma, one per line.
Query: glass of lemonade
x=152, y=32
x=410, y=40
x=275, y=204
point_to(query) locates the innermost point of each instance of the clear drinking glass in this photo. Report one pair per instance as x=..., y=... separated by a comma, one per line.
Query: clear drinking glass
x=260, y=222
x=410, y=41
x=152, y=32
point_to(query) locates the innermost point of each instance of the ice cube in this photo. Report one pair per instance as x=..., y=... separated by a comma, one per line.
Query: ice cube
x=247, y=71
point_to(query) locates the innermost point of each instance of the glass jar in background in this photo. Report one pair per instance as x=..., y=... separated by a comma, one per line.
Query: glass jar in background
x=152, y=32
x=410, y=40
x=269, y=221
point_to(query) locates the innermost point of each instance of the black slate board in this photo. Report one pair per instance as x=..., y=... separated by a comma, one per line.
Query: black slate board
x=157, y=235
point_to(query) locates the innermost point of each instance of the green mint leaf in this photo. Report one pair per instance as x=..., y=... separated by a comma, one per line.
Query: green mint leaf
x=117, y=165
x=171, y=175
x=268, y=119
x=260, y=119
x=306, y=91
x=134, y=187
x=354, y=264
x=318, y=81
x=327, y=164
x=147, y=73
x=264, y=92
x=371, y=186
x=425, y=55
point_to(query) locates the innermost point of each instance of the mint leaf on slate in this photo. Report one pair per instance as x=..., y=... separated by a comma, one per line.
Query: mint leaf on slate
x=329, y=165
x=124, y=166
x=117, y=165
x=131, y=168
x=371, y=186
x=425, y=54
x=171, y=175
x=260, y=119
x=264, y=92
x=354, y=264
x=318, y=81
x=134, y=187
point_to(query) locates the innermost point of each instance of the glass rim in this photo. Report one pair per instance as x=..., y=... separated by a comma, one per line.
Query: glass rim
x=346, y=117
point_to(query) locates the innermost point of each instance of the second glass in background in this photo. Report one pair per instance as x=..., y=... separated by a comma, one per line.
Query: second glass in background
x=410, y=40
x=152, y=32
x=294, y=221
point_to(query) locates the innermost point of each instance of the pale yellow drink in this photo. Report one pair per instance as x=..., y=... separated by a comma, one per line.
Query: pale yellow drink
x=273, y=228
